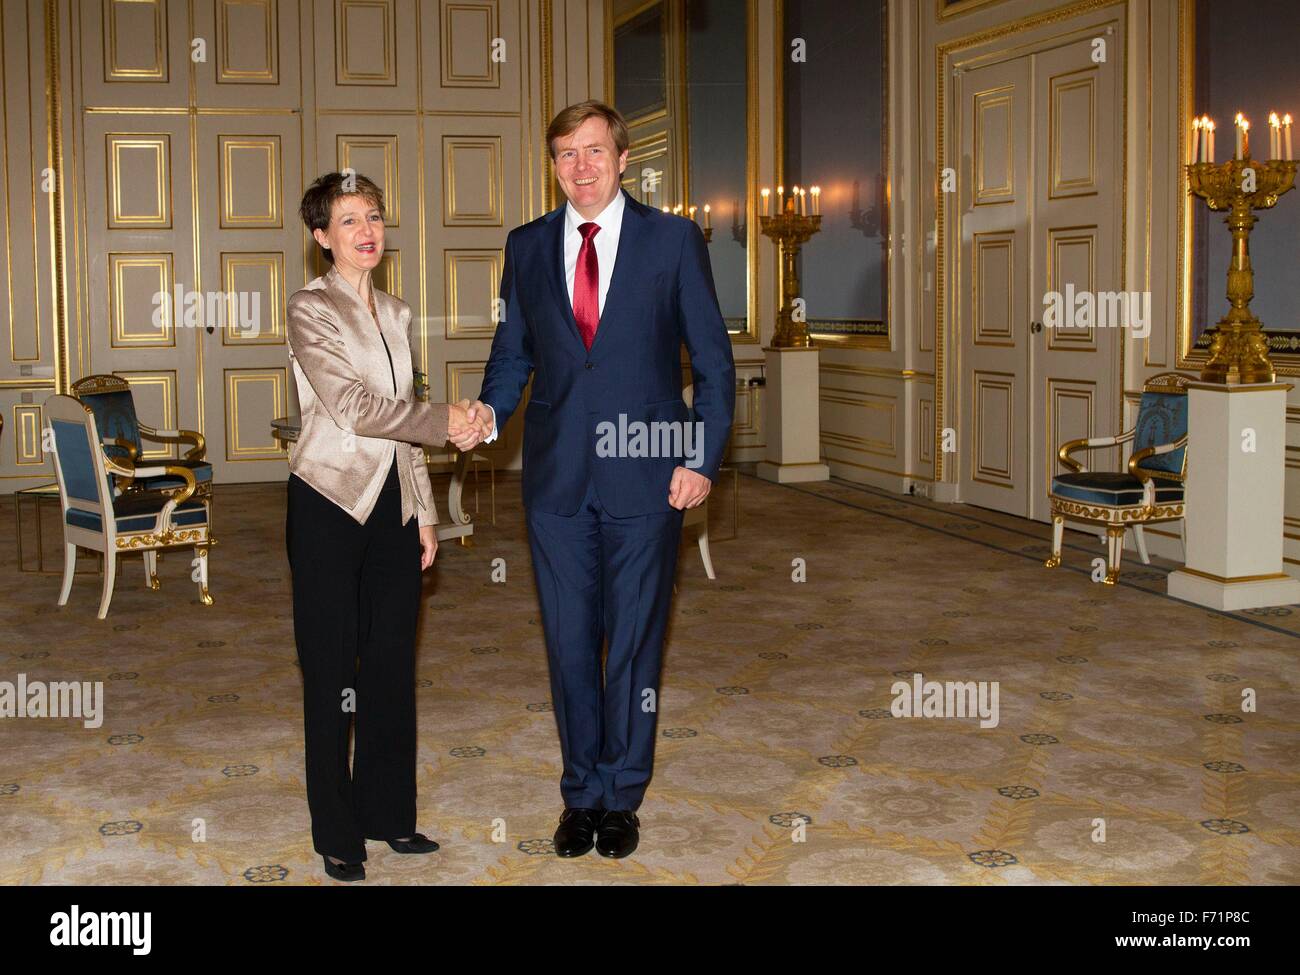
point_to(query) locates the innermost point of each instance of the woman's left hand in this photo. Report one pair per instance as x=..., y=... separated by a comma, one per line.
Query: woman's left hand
x=428, y=545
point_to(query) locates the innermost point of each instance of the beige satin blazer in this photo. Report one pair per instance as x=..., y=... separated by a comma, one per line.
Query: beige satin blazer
x=358, y=411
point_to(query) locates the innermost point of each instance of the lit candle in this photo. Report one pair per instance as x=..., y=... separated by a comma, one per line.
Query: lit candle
x=794, y=199
x=1245, y=138
x=803, y=203
x=1196, y=140
x=767, y=201
x=1236, y=123
x=691, y=212
x=677, y=209
x=1274, y=136
x=707, y=224
x=1286, y=135
x=817, y=200
x=666, y=210
x=780, y=200
x=1209, y=150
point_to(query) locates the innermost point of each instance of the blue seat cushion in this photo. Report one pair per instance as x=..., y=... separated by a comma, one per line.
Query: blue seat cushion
x=1111, y=489
x=137, y=513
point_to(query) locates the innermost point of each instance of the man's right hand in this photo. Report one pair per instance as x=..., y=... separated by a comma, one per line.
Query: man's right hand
x=468, y=424
x=483, y=415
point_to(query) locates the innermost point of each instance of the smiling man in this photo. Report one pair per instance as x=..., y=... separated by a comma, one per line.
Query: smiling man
x=599, y=296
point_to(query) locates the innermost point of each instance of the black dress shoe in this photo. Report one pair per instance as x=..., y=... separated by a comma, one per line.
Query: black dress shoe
x=345, y=871
x=617, y=835
x=573, y=837
x=419, y=843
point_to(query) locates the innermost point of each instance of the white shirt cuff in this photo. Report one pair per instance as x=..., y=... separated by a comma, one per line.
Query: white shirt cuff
x=493, y=435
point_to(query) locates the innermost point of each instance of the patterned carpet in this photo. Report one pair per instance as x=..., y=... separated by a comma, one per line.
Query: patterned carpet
x=1120, y=705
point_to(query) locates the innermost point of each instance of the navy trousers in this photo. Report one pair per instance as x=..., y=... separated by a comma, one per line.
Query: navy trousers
x=601, y=577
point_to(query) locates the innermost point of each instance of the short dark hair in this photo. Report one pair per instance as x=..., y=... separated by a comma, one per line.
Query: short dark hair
x=318, y=202
x=567, y=122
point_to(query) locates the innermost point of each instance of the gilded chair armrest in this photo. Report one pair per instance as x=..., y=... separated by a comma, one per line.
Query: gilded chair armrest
x=1135, y=462
x=132, y=451
x=122, y=467
x=179, y=495
x=1070, y=446
x=199, y=443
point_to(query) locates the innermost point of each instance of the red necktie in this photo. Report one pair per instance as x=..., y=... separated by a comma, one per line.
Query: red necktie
x=586, y=286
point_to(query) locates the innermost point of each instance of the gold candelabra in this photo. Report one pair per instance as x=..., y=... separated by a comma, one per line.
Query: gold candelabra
x=1238, y=347
x=790, y=229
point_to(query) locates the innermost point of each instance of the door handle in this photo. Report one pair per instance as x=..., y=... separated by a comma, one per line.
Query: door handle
x=1035, y=326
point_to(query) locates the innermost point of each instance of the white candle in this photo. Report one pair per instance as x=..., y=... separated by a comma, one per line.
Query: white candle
x=803, y=203
x=780, y=200
x=1236, y=124
x=1209, y=151
x=767, y=201
x=817, y=200
x=1286, y=135
x=1245, y=138
x=1196, y=140
x=1274, y=136
x=691, y=211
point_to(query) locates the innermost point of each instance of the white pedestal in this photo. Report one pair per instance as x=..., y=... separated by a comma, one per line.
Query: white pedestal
x=793, y=418
x=1235, y=498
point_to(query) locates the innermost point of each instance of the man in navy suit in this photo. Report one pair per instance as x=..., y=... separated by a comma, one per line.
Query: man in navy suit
x=598, y=297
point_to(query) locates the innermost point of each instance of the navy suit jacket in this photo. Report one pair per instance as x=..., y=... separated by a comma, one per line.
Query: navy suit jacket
x=660, y=296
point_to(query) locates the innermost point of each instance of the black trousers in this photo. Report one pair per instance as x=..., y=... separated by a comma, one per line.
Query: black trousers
x=356, y=604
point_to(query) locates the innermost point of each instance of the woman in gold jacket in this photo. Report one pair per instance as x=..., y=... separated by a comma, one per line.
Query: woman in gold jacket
x=359, y=530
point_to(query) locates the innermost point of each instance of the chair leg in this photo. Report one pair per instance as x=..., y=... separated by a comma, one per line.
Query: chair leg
x=110, y=571
x=201, y=551
x=1141, y=544
x=69, y=570
x=1114, y=552
x=151, y=571
x=704, y=551
x=1058, y=530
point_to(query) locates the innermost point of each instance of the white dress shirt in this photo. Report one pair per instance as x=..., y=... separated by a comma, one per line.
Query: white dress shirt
x=610, y=221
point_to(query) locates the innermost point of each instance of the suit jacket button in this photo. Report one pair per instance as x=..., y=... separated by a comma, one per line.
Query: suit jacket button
x=591, y=365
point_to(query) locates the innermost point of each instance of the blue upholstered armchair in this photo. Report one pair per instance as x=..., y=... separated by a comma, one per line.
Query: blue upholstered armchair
x=1151, y=490
x=97, y=517
x=109, y=398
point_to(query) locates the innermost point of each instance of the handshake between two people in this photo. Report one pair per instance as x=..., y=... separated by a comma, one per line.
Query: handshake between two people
x=468, y=423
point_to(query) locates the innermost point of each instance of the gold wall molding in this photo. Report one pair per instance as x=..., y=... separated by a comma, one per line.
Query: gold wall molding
x=137, y=143
x=268, y=75
x=26, y=434
x=54, y=160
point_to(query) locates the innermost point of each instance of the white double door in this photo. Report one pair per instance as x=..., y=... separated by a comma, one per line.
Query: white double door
x=1040, y=212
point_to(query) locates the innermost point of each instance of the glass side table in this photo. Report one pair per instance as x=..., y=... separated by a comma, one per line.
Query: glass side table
x=38, y=496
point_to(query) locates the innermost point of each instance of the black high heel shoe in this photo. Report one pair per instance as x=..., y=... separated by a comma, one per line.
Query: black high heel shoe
x=419, y=843
x=347, y=872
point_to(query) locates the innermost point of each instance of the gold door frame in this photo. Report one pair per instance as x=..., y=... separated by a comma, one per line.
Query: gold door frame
x=946, y=371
